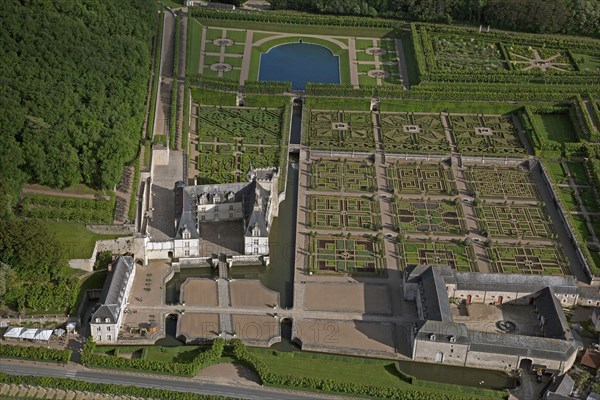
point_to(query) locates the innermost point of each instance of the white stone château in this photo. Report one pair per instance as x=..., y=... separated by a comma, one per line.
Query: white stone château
x=106, y=319
x=250, y=202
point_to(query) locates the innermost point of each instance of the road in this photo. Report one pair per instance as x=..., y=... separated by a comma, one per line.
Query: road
x=145, y=380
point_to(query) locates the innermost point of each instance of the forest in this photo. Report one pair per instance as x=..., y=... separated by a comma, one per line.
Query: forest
x=74, y=81
x=538, y=16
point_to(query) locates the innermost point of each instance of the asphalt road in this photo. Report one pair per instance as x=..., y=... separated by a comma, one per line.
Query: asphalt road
x=159, y=382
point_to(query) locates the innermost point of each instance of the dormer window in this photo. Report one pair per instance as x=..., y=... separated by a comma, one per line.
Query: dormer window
x=107, y=320
x=255, y=232
x=97, y=319
x=432, y=337
x=185, y=233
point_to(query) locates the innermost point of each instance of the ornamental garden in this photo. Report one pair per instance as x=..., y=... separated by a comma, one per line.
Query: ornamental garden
x=431, y=174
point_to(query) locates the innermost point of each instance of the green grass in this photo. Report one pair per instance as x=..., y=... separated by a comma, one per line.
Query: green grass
x=212, y=97
x=557, y=127
x=328, y=103
x=579, y=173
x=77, y=240
x=194, y=46
x=587, y=61
x=556, y=172
x=172, y=3
x=362, y=371
x=568, y=199
x=256, y=100
x=580, y=226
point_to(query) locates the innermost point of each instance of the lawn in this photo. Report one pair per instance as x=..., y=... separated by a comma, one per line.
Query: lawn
x=579, y=173
x=556, y=172
x=77, y=240
x=356, y=370
x=557, y=127
x=194, y=45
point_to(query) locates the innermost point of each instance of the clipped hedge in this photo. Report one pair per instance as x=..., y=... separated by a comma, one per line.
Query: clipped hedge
x=275, y=17
x=90, y=358
x=105, y=388
x=35, y=353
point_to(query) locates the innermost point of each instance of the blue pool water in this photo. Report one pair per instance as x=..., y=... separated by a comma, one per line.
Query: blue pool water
x=299, y=63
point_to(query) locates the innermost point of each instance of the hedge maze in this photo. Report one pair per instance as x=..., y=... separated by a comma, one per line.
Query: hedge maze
x=332, y=212
x=508, y=183
x=519, y=259
x=458, y=256
x=413, y=133
x=522, y=221
x=425, y=179
x=420, y=216
x=342, y=175
x=349, y=254
x=344, y=130
x=230, y=140
x=486, y=135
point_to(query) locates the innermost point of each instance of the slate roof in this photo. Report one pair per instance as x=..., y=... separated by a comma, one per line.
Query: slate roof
x=435, y=297
x=254, y=197
x=184, y=213
x=561, y=388
x=112, y=291
x=556, y=325
x=514, y=282
x=257, y=219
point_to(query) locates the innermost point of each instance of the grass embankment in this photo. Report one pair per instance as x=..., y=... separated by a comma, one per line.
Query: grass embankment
x=360, y=371
x=194, y=44
x=557, y=127
x=77, y=240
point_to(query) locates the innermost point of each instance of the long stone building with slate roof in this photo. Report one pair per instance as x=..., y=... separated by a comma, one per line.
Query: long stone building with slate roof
x=448, y=334
x=106, y=319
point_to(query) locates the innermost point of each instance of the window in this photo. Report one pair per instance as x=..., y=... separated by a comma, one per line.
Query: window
x=186, y=253
x=97, y=319
x=231, y=207
x=202, y=218
x=99, y=329
x=107, y=320
x=230, y=215
x=186, y=244
x=99, y=338
x=109, y=338
x=256, y=242
x=108, y=328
